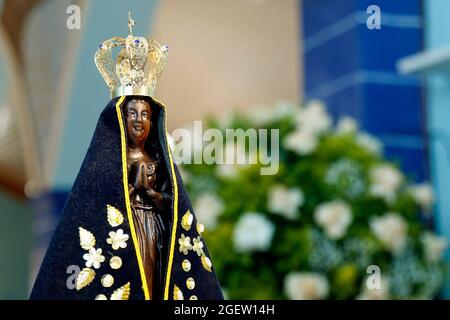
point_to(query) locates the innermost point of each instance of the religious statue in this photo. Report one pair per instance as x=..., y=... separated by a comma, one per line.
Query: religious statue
x=128, y=230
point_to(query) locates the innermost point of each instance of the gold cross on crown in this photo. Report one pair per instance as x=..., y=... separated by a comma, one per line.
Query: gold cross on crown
x=130, y=23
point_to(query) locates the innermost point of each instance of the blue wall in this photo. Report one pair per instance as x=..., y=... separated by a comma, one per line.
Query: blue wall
x=353, y=69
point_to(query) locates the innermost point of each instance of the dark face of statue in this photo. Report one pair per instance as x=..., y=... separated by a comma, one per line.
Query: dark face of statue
x=137, y=115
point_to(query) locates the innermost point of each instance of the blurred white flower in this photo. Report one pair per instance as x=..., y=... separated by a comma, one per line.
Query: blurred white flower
x=346, y=125
x=306, y=286
x=253, y=232
x=235, y=156
x=208, y=208
x=301, y=141
x=313, y=118
x=434, y=246
x=227, y=171
x=285, y=201
x=370, y=142
x=423, y=194
x=263, y=115
x=385, y=179
x=285, y=109
x=235, y=153
x=260, y=115
x=381, y=293
x=334, y=217
x=391, y=230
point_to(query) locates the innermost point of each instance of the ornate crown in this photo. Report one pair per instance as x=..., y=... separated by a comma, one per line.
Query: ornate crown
x=138, y=65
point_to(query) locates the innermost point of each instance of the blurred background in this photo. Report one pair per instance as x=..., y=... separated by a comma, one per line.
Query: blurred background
x=377, y=96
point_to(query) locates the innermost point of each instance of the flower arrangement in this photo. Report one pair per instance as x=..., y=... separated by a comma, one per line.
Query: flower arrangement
x=335, y=210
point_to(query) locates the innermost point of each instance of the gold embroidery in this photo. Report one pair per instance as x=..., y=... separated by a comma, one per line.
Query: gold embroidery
x=186, y=221
x=115, y=217
x=186, y=265
x=115, y=262
x=123, y=293
x=190, y=283
x=87, y=239
x=198, y=246
x=101, y=297
x=200, y=228
x=206, y=263
x=193, y=297
x=185, y=244
x=94, y=258
x=85, y=278
x=117, y=239
x=177, y=293
x=107, y=280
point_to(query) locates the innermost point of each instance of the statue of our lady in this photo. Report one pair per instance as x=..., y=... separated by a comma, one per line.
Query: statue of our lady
x=128, y=230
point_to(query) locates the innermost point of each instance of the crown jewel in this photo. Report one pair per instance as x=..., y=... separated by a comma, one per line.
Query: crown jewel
x=138, y=64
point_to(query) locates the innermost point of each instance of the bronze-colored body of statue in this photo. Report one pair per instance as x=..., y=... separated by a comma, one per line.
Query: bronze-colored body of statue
x=147, y=204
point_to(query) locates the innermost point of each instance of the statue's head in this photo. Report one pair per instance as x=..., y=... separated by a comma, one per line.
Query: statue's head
x=137, y=115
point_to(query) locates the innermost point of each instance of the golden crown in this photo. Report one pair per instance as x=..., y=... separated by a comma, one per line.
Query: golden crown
x=138, y=65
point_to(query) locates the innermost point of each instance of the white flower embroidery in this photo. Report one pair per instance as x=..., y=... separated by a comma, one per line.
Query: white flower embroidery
x=208, y=208
x=198, y=246
x=185, y=244
x=94, y=258
x=117, y=239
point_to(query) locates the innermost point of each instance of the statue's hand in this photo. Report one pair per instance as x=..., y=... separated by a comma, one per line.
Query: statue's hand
x=151, y=192
x=155, y=196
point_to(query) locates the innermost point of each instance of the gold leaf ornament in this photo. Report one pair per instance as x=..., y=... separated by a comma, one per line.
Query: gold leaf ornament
x=85, y=278
x=186, y=221
x=200, y=228
x=177, y=293
x=87, y=239
x=206, y=263
x=115, y=217
x=123, y=293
